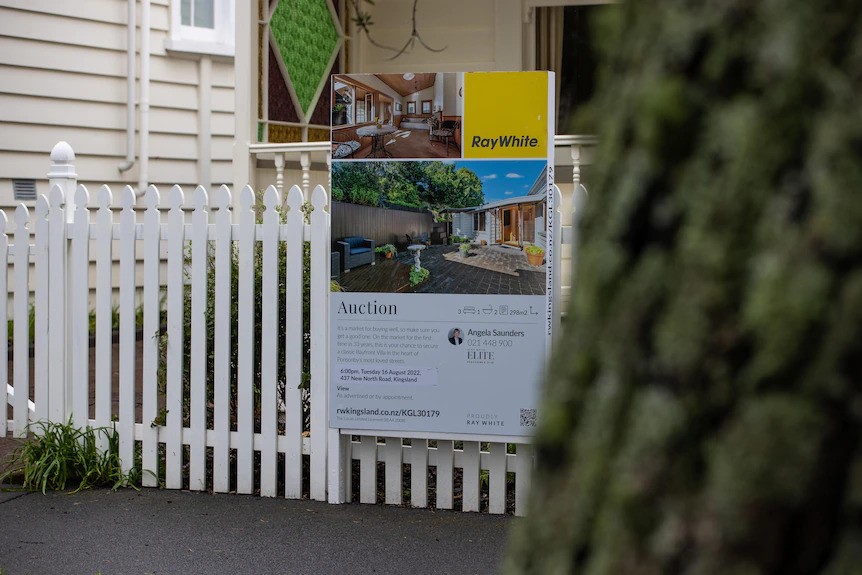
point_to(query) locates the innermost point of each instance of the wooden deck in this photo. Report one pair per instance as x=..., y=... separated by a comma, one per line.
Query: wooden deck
x=485, y=270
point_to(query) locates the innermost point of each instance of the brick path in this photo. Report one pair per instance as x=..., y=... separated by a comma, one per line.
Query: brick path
x=485, y=270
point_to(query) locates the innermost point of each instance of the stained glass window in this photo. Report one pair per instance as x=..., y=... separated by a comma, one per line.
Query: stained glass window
x=299, y=42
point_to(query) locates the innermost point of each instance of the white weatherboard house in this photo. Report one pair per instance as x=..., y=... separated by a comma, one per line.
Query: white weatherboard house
x=236, y=92
x=142, y=91
x=514, y=222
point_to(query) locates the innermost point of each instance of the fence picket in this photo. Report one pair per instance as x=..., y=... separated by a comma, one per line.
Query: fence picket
x=293, y=346
x=126, y=249
x=104, y=344
x=497, y=478
x=269, y=343
x=198, y=356
x=61, y=373
x=320, y=249
x=57, y=306
x=4, y=320
x=40, y=343
x=445, y=470
x=523, y=469
x=78, y=308
x=419, y=473
x=470, y=478
x=368, y=469
x=150, y=343
x=222, y=338
x=245, y=422
x=393, y=470
x=174, y=373
x=21, y=315
x=340, y=482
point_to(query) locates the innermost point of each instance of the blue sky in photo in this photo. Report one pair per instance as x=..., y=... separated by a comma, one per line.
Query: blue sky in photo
x=502, y=179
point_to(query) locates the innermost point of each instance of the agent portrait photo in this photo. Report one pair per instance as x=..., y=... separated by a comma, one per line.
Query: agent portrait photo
x=455, y=336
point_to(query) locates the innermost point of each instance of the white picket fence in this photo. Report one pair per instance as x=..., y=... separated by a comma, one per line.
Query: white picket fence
x=245, y=443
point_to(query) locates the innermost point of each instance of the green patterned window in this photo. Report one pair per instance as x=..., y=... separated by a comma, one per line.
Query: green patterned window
x=299, y=42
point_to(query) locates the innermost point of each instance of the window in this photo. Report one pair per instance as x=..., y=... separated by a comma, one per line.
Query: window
x=342, y=107
x=202, y=27
x=479, y=221
x=411, y=107
x=353, y=103
x=198, y=13
x=426, y=106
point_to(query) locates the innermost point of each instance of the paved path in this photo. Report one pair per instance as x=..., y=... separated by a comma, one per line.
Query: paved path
x=160, y=531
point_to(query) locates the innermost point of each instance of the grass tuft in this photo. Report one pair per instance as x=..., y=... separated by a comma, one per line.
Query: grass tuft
x=61, y=456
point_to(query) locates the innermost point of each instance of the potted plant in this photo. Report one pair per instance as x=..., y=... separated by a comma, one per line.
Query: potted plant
x=464, y=249
x=535, y=254
x=386, y=250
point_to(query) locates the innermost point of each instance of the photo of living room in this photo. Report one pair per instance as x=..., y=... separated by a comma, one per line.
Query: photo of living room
x=381, y=116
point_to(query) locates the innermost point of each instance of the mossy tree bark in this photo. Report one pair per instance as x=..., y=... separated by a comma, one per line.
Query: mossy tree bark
x=703, y=412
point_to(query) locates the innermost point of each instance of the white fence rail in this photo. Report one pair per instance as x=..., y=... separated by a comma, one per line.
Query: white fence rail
x=177, y=413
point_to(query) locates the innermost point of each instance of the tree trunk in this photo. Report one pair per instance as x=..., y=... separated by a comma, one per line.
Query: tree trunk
x=704, y=409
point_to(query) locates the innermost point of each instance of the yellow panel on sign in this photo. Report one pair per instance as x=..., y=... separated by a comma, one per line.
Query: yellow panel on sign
x=506, y=115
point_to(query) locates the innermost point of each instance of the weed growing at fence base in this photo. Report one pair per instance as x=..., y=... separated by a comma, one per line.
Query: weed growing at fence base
x=59, y=456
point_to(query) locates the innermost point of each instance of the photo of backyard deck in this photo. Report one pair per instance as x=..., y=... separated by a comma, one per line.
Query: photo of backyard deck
x=484, y=270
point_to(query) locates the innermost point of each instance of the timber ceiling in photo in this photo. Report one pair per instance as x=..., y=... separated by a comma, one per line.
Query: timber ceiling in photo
x=406, y=84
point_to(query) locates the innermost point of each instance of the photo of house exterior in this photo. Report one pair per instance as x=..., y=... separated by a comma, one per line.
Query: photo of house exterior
x=514, y=222
x=471, y=221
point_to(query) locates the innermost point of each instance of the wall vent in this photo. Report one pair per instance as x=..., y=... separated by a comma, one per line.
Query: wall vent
x=25, y=190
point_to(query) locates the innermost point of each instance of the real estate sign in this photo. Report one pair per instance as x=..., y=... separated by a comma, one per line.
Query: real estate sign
x=442, y=230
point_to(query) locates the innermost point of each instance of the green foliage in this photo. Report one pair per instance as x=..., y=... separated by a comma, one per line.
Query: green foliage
x=432, y=185
x=702, y=415
x=534, y=250
x=59, y=456
x=386, y=249
x=115, y=322
x=209, y=321
x=464, y=248
x=364, y=196
x=456, y=239
x=418, y=276
x=31, y=321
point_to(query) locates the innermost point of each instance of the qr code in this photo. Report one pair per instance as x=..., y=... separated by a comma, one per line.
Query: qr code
x=528, y=418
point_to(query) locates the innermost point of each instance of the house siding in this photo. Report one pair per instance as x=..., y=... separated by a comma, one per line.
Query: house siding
x=462, y=224
x=63, y=77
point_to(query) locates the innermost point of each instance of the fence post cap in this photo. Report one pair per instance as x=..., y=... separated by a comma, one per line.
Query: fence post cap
x=62, y=153
x=62, y=164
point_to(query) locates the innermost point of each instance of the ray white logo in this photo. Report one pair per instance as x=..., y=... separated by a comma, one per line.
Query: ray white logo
x=505, y=142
